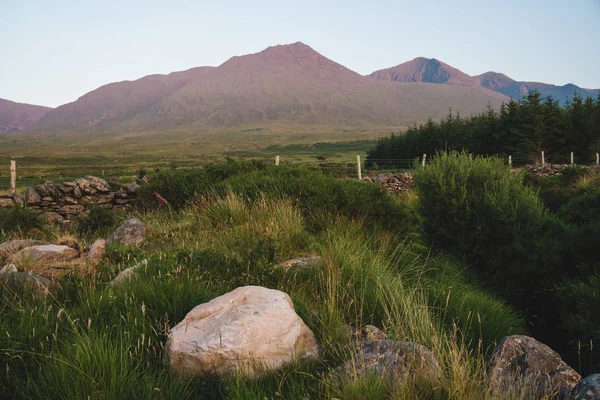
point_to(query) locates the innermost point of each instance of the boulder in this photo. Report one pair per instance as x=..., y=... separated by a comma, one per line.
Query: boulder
x=13, y=246
x=127, y=273
x=301, y=264
x=249, y=330
x=132, y=232
x=587, y=389
x=6, y=202
x=39, y=283
x=46, y=253
x=86, y=186
x=394, y=360
x=520, y=359
x=8, y=268
x=97, y=251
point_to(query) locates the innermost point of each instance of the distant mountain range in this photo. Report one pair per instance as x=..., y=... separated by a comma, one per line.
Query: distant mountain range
x=434, y=71
x=14, y=117
x=286, y=84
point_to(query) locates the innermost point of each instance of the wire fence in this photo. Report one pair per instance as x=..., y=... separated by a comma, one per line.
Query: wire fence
x=118, y=175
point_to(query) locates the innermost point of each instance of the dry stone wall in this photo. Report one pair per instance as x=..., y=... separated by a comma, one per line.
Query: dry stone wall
x=60, y=202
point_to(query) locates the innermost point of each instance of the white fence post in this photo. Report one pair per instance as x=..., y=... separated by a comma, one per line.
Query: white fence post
x=13, y=176
x=276, y=160
x=358, y=167
x=597, y=158
x=571, y=158
x=424, y=160
x=543, y=159
x=510, y=161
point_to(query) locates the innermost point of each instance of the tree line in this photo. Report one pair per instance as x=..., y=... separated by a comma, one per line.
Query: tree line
x=521, y=129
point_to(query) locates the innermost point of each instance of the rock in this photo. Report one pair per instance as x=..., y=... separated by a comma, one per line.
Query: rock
x=391, y=359
x=127, y=273
x=18, y=200
x=587, y=389
x=39, y=283
x=6, y=202
x=97, y=250
x=132, y=232
x=13, y=246
x=249, y=330
x=86, y=186
x=8, y=268
x=71, y=209
x=301, y=264
x=132, y=189
x=142, y=181
x=54, y=218
x=370, y=332
x=98, y=183
x=31, y=196
x=46, y=253
x=520, y=359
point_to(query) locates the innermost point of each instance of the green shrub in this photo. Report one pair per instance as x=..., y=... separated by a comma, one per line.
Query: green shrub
x=476, y=209
x=99, y=218
x=19, y=219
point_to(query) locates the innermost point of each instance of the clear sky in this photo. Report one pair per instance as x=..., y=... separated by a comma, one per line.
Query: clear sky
x=53, y=51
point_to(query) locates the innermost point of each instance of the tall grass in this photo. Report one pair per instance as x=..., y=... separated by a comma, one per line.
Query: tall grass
x=93, y=340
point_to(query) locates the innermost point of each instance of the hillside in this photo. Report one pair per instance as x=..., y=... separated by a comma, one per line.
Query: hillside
x=283, y=84
x=14, y=117
x=434, y=71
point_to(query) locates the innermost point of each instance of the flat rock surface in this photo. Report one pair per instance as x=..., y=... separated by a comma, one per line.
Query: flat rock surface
x=249, y=330
x=46, y=253
x=13, y=246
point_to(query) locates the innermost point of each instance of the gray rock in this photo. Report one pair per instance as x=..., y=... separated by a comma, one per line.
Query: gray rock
x=98, y=183
x=13, y=246
x=42, y=285
x=8, y=268
x=54, y=218
x=394, y=360
x=43, y=254
x=587, y=389
x=301, y=264
x=132, y=189
x=128, y=273
x=97, y=250
x=32, y=196
x=6, y=202
x=520, y=359
x=86, y=186
x=132, y=232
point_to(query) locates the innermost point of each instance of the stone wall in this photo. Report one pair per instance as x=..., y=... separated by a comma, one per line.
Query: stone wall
x=394, y=183
x=554, y=169
x=61, y=202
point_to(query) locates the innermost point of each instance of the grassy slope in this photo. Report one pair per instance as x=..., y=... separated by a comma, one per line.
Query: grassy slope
x=93, y=340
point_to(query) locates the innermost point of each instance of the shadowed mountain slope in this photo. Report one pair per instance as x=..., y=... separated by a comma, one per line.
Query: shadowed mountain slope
x=14, y=117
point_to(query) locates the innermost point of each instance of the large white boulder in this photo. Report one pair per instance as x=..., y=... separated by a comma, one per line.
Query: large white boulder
x=247, y=331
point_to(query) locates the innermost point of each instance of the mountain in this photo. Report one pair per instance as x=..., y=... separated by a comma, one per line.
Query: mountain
x=14, y=117
x=425, y=70
x=515, y=89
x=434, y=71
x=289, y=84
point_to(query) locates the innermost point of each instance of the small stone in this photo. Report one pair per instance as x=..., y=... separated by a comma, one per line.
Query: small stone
x=8, y=268
x=301, y=264
x=133, y=188
x=97, y=250
x=128, y=273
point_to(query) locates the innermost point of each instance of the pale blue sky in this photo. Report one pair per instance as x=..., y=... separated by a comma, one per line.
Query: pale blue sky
x=53, y=51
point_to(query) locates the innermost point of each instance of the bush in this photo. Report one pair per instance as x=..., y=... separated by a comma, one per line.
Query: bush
x=97, y=219
x=19, y=219
x=476, y=209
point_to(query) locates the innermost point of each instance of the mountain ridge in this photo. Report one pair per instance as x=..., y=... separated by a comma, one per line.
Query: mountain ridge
x=285, y=84
x=431, y=70
x=15, y=117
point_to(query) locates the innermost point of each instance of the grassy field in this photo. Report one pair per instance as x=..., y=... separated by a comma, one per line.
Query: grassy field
x=91, y=340
x=119, y=156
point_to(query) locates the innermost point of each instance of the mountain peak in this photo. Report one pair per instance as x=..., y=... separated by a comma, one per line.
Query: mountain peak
x=429, y=70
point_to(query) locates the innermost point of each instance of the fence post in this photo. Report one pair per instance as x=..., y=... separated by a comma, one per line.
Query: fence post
x=543, y=159
x=571, y=158
x=424, y=159
x=13, y=176
x=597, y=158
x=358, y=167
x=276, y=160
x=510, y=161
